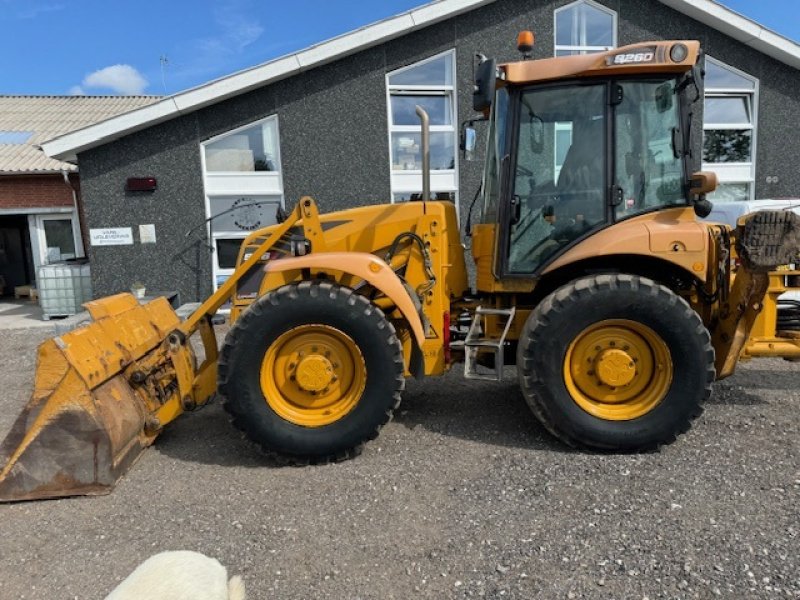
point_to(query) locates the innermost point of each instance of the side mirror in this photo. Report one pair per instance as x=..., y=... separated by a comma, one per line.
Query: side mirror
x=700, y=184
x=485, y=82
x=470, y=141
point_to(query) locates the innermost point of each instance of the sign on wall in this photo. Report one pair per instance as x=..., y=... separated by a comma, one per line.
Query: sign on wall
x=112, y=236
x=147, y=234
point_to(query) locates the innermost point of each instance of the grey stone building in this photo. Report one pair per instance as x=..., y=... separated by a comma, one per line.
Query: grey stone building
x=336, y=121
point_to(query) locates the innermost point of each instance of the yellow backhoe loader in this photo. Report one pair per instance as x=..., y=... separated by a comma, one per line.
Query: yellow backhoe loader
x=593, y=275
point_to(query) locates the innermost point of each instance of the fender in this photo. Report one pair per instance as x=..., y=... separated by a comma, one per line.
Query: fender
x=368, y=267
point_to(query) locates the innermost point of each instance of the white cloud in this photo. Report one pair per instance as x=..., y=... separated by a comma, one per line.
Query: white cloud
x=33, y=9
x=76, y=90
x=237, y=29
x=121, y=79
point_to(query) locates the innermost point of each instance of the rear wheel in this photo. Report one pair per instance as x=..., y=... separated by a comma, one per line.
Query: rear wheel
x=615, y=362
x=311, y=371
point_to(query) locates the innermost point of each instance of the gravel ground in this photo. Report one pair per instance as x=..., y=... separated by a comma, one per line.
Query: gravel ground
x=462, y=495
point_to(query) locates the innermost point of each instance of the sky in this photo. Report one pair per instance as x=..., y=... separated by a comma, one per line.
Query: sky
x=165, y=46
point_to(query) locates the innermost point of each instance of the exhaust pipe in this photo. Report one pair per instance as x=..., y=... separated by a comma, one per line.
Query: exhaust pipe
x=425, y=121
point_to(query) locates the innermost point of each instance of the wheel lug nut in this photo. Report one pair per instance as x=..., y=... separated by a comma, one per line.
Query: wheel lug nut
x=590, y=373
x=612, y=344
x=313, y=348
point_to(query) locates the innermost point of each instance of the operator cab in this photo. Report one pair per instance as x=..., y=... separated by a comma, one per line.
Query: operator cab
x=579, y=143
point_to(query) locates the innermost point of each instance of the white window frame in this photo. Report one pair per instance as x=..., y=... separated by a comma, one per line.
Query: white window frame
x=736, y=172
x=442, y=180
x=584, y=49
x=238, y=183
x=36, y=227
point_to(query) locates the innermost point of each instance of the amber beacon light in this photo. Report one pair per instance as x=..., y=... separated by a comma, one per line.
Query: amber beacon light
x=525, y=41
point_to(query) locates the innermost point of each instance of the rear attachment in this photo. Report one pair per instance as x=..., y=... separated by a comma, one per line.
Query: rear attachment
x=100, y=395
x=765, y=241
x=769, y=239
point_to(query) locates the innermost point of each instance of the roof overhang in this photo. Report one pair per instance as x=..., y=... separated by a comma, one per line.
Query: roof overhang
x=67, y=147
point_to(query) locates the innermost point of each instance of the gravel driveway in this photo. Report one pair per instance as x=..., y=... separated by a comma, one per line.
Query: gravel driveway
x=462, y=495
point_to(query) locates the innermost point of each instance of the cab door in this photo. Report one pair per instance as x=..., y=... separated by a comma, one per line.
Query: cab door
x=556, y=189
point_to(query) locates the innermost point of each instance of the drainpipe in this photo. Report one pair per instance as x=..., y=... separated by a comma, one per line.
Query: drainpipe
x=65, y=175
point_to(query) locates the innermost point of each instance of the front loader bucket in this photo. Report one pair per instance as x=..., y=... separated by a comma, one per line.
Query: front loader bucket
x=85, y=424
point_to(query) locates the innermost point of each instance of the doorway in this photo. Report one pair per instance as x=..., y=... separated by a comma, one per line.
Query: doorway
x=16, y=258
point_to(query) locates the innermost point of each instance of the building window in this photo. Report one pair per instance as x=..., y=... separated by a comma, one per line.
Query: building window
x=431, y=85
x=729, y=130
x=584, y=27
x=244, y=188
x=245, y=150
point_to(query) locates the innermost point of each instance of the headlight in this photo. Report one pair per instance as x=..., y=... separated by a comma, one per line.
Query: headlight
x=678, y=53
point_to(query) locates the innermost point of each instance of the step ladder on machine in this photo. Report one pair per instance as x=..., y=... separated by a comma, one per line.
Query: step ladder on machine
x=477, y=343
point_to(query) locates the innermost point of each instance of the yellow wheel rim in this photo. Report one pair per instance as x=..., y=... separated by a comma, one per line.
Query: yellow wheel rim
x=618, y=370
x=313, y=375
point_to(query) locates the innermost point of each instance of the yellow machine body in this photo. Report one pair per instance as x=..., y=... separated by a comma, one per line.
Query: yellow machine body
x=354, y=243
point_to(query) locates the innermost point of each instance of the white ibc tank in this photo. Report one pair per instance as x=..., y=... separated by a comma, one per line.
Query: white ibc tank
x=63, y=288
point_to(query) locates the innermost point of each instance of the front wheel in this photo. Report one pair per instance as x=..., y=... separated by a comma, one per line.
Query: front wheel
x=615, y=362
x=311, y=371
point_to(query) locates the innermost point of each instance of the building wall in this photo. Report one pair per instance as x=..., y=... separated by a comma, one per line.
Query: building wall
x=334, y=140
x=34, y=191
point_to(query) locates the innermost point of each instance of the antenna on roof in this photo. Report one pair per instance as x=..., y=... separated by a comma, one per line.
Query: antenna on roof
x=164, y=60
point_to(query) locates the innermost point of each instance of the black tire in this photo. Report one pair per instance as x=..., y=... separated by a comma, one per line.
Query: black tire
x=291, y=306
x=564, y=315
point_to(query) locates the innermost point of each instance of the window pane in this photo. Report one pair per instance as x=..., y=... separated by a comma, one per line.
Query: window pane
x=239, y=214
x=496, y=147
x=599, y=27
x=228, y=252
x=720, y=77
x=566, y=27
x=728, y=192
x=59, y=239
x=415, y=196
x=404, y=109
x=252, y=149
x=646, y=167
x=727, y=145
x=552, y=215
x=568, y=52
x=407, y=153
x=726, y=110
x=436, y=72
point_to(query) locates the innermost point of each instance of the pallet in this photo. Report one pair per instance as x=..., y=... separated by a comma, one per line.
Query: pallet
x=26, y=291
